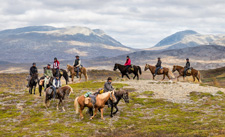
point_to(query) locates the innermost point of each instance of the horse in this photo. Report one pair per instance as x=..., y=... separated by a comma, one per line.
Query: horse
x=101, y=99
x=33, y=83
x=61, y=93
x=73, y=73
x=122, y=94
x=135, y=70
x=41, y=84
x=62, y=72
x=165, y=71
x=194, y=73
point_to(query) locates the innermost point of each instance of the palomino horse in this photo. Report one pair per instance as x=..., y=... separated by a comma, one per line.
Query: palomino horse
x=101, y=99
x=135, y=70
x=194, y=73
x=164, y=71
x=73, y=73
x=61, y=93
x=122, y=94
x=33, y=83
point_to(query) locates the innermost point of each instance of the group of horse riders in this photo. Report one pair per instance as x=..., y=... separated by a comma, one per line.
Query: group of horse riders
x=48, y=73
x=158, y=65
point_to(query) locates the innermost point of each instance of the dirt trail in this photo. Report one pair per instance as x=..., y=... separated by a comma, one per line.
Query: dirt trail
x=176, y=92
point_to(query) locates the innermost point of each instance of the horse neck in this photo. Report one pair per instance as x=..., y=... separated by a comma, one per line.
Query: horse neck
x=120, y=67
x=104, y=97
x=151, y=68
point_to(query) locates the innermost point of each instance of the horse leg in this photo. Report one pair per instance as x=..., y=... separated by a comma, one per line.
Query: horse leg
x=40, y=89
x=163, y=77
x=193, y=78
x=111, y=115
x=72, y=78
x=137, y=77
x=178, y=78
x=80, y=110
x=80, y=77
x=34, y=89
x=127, y=76
x=168, y=76
x=58, y=104
x=116, y=110
x=102, y=114
x=122, y=75
x=96, y=109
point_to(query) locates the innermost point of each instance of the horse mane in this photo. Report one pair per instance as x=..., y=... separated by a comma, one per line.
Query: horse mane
x=178, y=66
x=120, y=92
x=103, y=95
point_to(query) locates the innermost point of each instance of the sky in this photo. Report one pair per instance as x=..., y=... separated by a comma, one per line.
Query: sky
x=134, y=23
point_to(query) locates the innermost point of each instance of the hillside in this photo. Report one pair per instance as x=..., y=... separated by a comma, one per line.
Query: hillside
x=43, y=43
x=155, y=109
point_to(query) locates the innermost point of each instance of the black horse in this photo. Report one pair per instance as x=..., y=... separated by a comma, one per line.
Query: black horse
x=33, y=83
x=62, y=72
x=41, y=84
x=122, y=94
x=134, y=70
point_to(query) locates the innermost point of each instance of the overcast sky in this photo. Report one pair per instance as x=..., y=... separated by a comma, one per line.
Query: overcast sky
x=135, y=23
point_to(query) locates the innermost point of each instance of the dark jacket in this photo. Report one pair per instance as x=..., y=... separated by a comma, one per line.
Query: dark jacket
x=77, y=63
x=158, y=64
x=188, y=65
x=108, y=87
x=33, y=70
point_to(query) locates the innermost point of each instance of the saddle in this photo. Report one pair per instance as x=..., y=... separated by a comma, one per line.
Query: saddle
x=188, y=71
x=89, y=98
x=61, y=72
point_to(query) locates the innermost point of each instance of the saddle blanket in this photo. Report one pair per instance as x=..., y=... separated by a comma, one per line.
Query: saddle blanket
x=91, y=98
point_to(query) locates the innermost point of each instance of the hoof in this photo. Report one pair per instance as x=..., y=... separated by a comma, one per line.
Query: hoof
x=111, y=115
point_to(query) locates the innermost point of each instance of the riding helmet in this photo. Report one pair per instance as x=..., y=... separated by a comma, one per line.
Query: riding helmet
x=187, y=59
x=76, y=56
x=55, y=58
x=49, y=65
x=158, y=57
x=34, y=63
x=128, y=56
x=109, y=78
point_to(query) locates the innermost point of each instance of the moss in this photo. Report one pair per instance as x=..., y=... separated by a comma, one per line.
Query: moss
x=219, y=92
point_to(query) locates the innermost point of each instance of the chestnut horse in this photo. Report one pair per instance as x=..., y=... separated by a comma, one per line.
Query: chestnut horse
x=194, y=73
x=61, y=93
x=164, y=71
x=73, y=73
x=101, y=99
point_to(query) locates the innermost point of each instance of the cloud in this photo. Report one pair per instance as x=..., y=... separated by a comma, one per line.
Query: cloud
x=135, y=23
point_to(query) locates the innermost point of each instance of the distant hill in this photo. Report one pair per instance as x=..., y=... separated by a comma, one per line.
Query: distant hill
x=188, y=38
x=43, y=43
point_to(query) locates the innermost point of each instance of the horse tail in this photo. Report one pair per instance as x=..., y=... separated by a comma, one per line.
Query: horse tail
x=85, y=74
x=76, y=105
x=65, y=75
x=139, y=69
x=199, y=76
x=170, y=73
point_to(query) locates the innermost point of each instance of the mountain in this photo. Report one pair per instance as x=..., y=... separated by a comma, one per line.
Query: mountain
x=188, y=38
x=43, y=43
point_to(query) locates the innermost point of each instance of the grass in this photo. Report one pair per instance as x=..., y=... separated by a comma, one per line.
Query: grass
x=22, y=114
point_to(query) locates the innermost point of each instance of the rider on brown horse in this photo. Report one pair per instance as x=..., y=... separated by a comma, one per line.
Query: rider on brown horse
x=158, y=66
x=127, y=64
x=77, y=64
x=187, y=67
x=48, y=74
x=33, y=70
x=55, y=85
x=108, y=87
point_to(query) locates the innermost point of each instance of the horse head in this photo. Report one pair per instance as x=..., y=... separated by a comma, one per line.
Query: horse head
x=68, y=68
x=146, y=67
x=115, y=67
x=113, y=97
x=126, y=96
x=174, y=68
x=35, y=77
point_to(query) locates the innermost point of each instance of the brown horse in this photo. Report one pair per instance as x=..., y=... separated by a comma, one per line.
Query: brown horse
x=73, y=73
x=194, y=73
x=101, y=99
x=61, y=93
x=164, y=71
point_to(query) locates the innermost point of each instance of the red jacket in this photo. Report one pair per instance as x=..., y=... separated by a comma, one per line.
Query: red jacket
x=56, y=64
x=128, y=62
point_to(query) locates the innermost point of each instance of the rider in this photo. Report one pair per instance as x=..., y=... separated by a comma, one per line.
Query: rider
x=127, y=64
x=56, y=65
x=158, y=66
x=55, y=85
x=187, y=66
x=48, y=74
x=77, y=64
x=108, y=87
x=33, y=70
